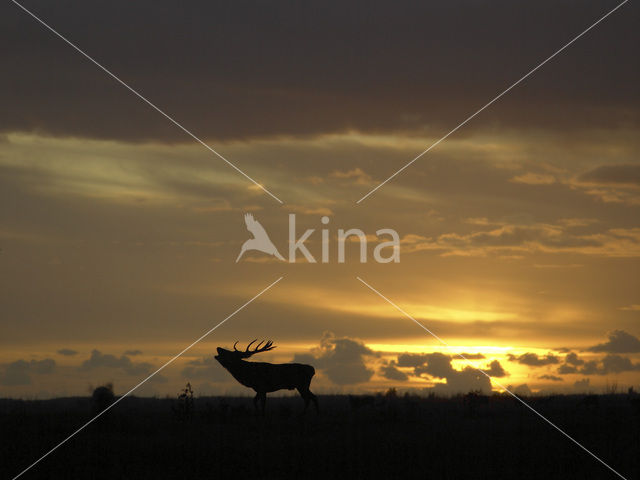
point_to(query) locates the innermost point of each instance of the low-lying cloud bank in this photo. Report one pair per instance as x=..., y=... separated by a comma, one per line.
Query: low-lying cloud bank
x=348, y=364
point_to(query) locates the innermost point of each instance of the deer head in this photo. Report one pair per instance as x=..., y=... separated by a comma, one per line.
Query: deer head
x=226, y=357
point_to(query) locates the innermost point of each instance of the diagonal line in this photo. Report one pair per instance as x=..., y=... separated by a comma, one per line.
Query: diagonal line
x=142, y=382
x=495, y=99
x=491, y=378
x=148, y=102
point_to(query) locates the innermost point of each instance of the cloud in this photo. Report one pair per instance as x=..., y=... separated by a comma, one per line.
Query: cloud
x=534, y=179
x=45, y=366
x=412, y=359
x=98, y=359
x=342, y=359
x=107, y=360
x=473, y=356
x=67, y=352
x=390, y=371
x=316, y=83
x=567, y=369
x=533, y=360
x=571, y=364
x=619, y=342
x=577, y=222
x=589, y=368
x=628, y=175
x=467, y=380
x=616, y=364
x=309, y=211
x=572, y=359
x=358, y=176
x=518, y=239
x=611, y=183
x=206, y=368
x=551, y=377
x=521, y=390
x=496, y=370
x=438, y=365
x=18, y=372
x=132, y=353
x=516, y=235
x=610, y=363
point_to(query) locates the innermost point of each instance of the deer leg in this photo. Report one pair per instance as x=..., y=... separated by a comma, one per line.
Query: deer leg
x=308, y=396
x=315, y=401
x=305, y=397
x=263, y=400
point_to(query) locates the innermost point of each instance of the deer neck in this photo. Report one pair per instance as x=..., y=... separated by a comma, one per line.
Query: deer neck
x=241, y=370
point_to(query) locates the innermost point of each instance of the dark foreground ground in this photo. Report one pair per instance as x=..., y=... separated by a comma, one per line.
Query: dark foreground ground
x=362, y=437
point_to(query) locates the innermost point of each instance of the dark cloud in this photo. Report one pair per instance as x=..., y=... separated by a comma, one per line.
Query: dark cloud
x=99, y=359
x=343, y=360
x=619, y=342
x=391, y=371
x=571, y=363
x=496, y=370
x=45, y=366
x=206, y=368
x=18, y=372
x=107, y=360
x=589, y=368
x=467, y=380
x=551, y=377
x=522, y=390
x=67, y=352
x=438, y=365
x=266, y=69
x=472, y=356
x=533, y=360
x=133, y=353
x=567, y=369
x=617, y=364
x=572, y=359
x=412, y=359
x=613, y=174
x=611, y=363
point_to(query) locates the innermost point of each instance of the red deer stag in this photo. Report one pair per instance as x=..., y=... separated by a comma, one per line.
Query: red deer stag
x=267, y=377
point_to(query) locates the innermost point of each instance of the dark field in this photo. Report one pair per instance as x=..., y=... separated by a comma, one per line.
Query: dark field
x=358, y=437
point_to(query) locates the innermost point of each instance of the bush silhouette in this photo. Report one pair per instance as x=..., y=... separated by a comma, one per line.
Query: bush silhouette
x=102, y=397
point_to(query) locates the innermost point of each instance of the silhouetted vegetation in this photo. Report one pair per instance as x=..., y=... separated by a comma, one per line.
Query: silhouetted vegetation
x=183, y=408
x=102, y=397
x=377, y=436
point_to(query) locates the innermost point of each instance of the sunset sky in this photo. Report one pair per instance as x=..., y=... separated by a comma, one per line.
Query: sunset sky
x=520, y=232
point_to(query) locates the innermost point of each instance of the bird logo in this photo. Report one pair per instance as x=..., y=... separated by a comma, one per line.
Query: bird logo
x=260, y=240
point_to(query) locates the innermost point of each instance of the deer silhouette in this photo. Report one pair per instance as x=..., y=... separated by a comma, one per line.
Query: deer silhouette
x=267, y=377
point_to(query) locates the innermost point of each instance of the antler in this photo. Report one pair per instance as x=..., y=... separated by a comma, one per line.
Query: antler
x=258, y=348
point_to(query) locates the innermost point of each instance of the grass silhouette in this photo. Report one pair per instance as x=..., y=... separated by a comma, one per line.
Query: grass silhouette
x=383, y=436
